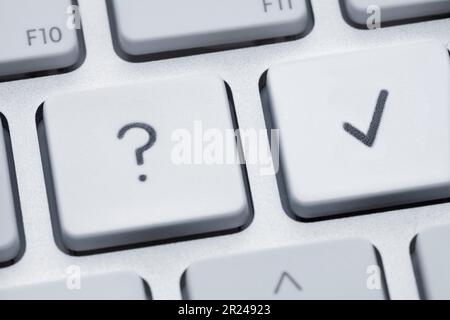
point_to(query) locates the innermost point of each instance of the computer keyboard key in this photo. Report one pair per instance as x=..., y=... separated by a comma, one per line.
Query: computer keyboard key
x=9, y=235
x=112, y=286
x=37, y=36
x=363, y=130
x=364, y=13
x=130, y=164
x=149, y=27
x=345, y=269
x=432, y=263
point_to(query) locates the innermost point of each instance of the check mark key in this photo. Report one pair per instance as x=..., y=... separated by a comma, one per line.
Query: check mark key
x=369, y=138
x=363, y=131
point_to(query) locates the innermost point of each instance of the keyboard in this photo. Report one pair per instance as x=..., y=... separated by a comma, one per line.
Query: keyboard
x=239, y=149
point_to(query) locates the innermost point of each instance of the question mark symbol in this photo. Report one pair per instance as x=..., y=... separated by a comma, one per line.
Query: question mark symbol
x=140, y=151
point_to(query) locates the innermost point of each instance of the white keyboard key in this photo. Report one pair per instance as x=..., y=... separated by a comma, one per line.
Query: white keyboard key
x=362, y=12
x=9, y=235
x=107, y=197
x=432, y=262
x=152, y=26
x=346, y=269
x=363, y=130
x=113, y=286
x=35, y=36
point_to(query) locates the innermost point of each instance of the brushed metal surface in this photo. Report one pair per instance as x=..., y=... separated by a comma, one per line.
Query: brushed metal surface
x=162, y=265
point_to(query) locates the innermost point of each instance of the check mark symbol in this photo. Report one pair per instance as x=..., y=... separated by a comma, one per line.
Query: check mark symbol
x=369, y=138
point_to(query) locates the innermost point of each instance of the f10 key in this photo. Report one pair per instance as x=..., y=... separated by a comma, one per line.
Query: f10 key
x=39, y=36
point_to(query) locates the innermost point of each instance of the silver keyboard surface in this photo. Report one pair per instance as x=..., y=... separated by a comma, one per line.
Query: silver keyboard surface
x=163, y=265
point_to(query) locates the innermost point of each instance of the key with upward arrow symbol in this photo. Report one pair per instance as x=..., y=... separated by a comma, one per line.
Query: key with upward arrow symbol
x=286, y=277
x=306, y=272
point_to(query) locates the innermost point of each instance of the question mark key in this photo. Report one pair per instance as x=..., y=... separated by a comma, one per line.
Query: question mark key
x=110, y=167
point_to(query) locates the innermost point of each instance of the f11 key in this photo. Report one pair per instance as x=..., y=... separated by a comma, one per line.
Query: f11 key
x=144, y=28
